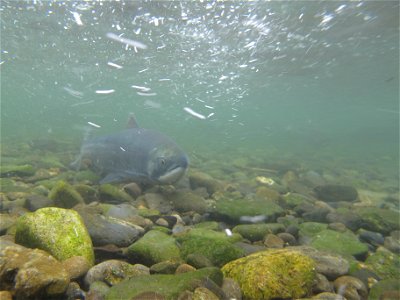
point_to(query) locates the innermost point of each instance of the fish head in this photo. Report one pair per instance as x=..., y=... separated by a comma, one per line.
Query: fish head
x=166, y=165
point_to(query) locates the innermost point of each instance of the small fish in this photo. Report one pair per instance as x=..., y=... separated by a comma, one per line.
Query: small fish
x=134, y=154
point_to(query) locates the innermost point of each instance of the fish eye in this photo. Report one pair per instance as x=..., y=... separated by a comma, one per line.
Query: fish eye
x=162, y=160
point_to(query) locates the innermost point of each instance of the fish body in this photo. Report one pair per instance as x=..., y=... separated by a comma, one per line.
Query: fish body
x=134, y=154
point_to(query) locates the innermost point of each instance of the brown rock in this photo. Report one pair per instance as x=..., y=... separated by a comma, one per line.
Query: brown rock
x=76, y=266
x=28, y=273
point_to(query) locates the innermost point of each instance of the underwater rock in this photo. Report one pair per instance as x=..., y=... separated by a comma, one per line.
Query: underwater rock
x=215, y=246
x=198, y=179
x=379, y=219
x=291, y=200
x=349, y=218
x=328, y=264
x=61, y=232
x=267, y=193
x=164, y=267
x=133, y=189
x=246, y=210
x=158, y=202
x=351, y=288
x=105, y=230
x=273, y=241
x=384, y=263
x=343, y=243
x=97, y=291
x=198, y=260
x=88, y=193
x=17, y=170
x=154, y=247
x=76, y=266
x=184, y=268
x=372, y=238
x=167, y=286
x=386, y=289
x=184, y=201
x=336, y=193
x=34, y=202
x=321, y=284
x=328, y=296
x=10, y=185
x=112, y=272
x=272, y=274
x=112, y=194
x=231, y=289
x=6, y=221
x=392, y=243
x=64, y=195
x=256, y=232
x=31, y=273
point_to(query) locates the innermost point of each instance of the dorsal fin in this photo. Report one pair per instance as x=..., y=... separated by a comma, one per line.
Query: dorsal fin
x=132, y=121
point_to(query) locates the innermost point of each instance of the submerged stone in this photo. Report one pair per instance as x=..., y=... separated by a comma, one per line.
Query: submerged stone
x=215, y=246
x=273, y=274
x=163, y=285
x=236, y=210
x=61, y=232
x=112, y=194
x=64, y=195
x=154, y=247
x=17, y=170
x=31, y=273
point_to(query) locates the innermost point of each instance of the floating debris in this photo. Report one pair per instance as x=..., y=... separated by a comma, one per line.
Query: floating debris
x=111, y=64
x=105, y=91
x=194, y=114
x=94, y=124
x=126, y=41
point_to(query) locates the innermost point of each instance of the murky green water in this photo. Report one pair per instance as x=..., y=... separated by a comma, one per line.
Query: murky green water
x=313, y=81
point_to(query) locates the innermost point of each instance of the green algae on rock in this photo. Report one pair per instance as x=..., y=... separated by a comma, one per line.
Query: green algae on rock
x=379, y=219
x=64, y=195
x=273, y=274
x=31, y=273
x=215, y=246
x=234, y=209
x=112, y=194
x=344, y=243
x=384, y=263
x=17, y=170
x=167, y=286
x=256, y=232
x=61, y=232
x=154, y=247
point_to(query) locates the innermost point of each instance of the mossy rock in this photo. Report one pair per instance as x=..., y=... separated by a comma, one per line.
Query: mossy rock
x=379, y=219
x=232, y=210
x=86, y=175
x=167, y=286
x=10, y=185
x=64, y=195
x=154, y=247
x=310, y=229
x=147, y=212
x=112, y=194
x=385, y=264
x=344, y=243
x=291, y=200
x=215, y=246
x=256, y=232
x=61, y=232
x=17, y=170
x=383, y=287
x=273, y=274
x=184, y=201
x=211, y=225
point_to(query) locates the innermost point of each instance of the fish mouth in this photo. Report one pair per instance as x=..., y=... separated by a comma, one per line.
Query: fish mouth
x=172, y=176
